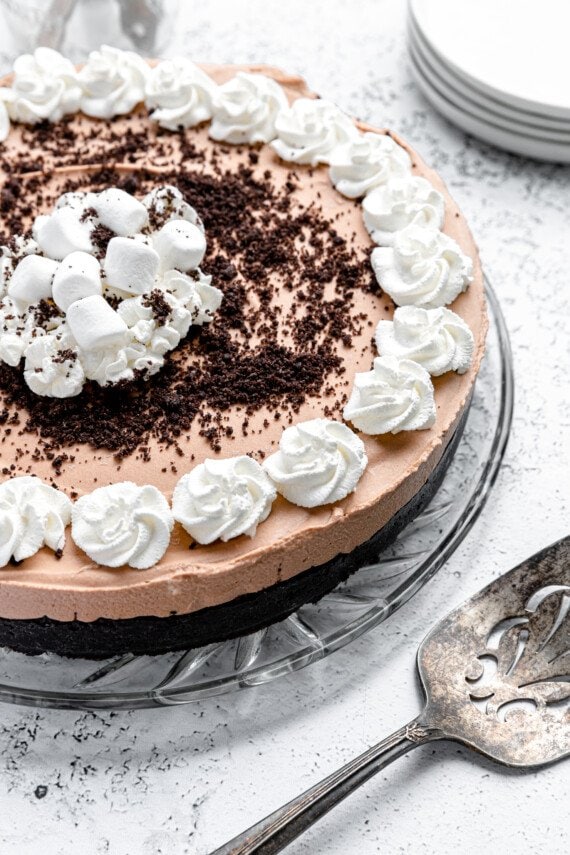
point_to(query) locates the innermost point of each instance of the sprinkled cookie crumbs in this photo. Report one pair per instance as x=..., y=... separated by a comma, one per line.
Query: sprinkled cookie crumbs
x=287, y=275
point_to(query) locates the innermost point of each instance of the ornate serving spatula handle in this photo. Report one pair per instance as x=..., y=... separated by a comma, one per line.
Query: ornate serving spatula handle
x=521, y=622
x=280, y=828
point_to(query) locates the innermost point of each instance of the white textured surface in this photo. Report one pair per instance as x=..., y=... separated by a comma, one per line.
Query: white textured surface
x=183, y=780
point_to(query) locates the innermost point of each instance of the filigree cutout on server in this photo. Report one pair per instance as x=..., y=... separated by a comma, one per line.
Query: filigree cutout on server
x=526, y=665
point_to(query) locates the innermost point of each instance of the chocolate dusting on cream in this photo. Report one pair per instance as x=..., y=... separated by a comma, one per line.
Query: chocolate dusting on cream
x=287, y=275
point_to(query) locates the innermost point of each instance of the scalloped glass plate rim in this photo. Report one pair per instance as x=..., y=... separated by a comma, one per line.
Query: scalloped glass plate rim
x=162, y=695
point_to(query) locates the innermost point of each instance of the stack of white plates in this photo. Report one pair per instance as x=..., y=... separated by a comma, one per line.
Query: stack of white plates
x=500, y=69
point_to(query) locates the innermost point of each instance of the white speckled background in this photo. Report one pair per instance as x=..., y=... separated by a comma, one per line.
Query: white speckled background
x=184, y=780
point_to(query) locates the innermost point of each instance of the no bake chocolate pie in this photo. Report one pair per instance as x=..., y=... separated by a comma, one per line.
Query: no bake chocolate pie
x=239, y=333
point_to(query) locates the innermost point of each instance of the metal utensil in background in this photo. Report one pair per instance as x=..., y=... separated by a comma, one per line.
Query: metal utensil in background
x=140, y=20
x=77, y=27
x=496, y=675
x=25, y=24
x=146, y=26
x=54, y=22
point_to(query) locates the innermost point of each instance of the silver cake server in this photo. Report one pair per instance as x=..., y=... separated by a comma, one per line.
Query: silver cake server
x=496, y=676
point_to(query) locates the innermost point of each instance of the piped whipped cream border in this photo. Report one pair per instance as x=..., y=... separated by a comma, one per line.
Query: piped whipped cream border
x=319, y=461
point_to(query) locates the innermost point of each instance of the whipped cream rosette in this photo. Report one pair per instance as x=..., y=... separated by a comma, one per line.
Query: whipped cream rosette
x=423, y=268
x=179, y=94
x=52, y=365
x=184, y=300
x=365, y=162
x=396, y=395
x=401, y=202
x=319, y=461
x=247, y=109
x=76, y=310
x=44, y=86
x=193, y=294
x=438, y=339
x=310, y=130
x=222, y=499
x=123, y=524
x=32, y=515
x=112, y=82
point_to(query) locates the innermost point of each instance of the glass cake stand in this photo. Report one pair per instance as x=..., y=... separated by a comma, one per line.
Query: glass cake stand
x=367, y=598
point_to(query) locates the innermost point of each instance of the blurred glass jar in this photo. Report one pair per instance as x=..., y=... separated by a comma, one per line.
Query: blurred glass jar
x=77, y=27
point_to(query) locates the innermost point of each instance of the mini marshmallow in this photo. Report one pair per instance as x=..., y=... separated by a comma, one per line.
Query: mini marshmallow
x=180, y=244
x=120, y=212
x=32, y=279
x=78, y=276
x=78, y=200
x=62, y=232
x=94, y=324
x=131, y=265
x=167, y=203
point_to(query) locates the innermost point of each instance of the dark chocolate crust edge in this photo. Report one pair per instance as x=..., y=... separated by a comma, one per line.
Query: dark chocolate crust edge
x=102, y=638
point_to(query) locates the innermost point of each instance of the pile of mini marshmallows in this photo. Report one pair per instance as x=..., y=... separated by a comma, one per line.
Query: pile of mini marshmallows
x=75, y=312
x=422, y=269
